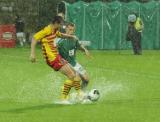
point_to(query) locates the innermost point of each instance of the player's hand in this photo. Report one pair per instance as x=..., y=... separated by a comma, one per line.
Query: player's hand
x=88, y=54
x=32, y=58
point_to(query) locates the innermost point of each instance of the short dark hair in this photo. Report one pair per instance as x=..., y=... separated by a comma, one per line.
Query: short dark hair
x=70, y=24
x=57, y=19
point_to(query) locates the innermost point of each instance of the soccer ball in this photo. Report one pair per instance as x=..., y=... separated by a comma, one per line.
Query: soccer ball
x=94, y=95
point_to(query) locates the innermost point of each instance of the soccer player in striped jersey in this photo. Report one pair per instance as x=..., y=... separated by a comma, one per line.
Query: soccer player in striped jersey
x=67, y=50
x=47, y=37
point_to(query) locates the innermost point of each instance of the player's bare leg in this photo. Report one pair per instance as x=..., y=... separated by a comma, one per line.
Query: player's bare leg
x=85, y=81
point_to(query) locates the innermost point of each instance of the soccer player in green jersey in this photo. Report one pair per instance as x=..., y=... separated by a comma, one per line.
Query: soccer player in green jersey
x=67, y=50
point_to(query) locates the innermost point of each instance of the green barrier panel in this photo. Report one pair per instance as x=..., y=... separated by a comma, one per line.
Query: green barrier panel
x=105, y=24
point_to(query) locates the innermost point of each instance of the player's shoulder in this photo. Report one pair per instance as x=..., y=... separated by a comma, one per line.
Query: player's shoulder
x=48, y=28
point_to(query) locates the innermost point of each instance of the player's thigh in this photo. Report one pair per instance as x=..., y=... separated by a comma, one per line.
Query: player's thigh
x=69, y=72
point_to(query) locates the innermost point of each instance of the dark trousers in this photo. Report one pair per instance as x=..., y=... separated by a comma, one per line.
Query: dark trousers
x=136, y=44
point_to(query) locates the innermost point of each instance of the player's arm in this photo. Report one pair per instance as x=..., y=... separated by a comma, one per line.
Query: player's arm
x=33, y=45
x=37, y=37
x=83, y=49
x=63, y=35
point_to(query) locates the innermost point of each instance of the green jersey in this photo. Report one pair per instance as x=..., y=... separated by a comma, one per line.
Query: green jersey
x=67, y=49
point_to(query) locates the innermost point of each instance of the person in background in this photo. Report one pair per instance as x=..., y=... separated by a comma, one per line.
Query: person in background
x=139, y=26
x=135, y=27
x=19, y=23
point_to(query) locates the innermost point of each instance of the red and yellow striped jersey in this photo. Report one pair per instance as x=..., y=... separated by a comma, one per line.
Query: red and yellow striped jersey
x=47, y=37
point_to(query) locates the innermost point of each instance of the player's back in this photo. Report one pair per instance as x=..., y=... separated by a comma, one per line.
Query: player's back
x=47, y=36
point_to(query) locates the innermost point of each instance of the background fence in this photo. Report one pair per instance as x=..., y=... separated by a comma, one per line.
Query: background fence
x=102, y=23
x=105, y=24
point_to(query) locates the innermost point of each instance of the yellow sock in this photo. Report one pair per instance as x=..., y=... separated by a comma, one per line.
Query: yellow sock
x=66, y=88
x=77, y=86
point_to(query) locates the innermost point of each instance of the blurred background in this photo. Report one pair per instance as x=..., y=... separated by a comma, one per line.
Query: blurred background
x=103, y=23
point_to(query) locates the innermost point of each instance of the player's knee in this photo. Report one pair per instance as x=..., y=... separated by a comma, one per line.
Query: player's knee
x=86, y=78
x=75, y=77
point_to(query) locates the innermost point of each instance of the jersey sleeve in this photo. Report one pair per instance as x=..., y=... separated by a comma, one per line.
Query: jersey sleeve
x=58, y=34
x=41, y=34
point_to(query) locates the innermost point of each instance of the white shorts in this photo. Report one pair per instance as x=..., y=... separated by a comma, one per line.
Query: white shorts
x=20, y=35
x=79, y=69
